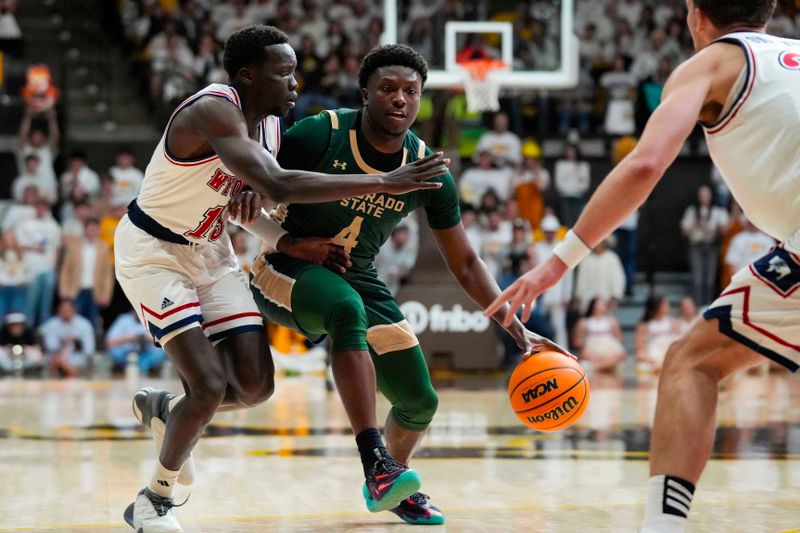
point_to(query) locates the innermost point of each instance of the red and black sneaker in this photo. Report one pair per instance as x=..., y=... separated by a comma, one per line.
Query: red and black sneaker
x=389, y=483
x=418, y=509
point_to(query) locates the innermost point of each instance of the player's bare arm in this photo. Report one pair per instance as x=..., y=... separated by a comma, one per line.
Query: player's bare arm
x=213, y=124
x=690, y=92
x=471, y=273
x=246, y=208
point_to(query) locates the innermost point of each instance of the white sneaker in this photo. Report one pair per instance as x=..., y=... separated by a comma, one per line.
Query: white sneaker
x=151, y=513
x=151, y=408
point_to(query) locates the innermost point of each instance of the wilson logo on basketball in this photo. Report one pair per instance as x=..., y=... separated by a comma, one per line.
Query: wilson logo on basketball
x=558, y=412
x=790, y=60
x=539, y=389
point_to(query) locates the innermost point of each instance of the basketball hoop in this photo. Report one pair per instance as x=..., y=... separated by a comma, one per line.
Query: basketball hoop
x=482, y=90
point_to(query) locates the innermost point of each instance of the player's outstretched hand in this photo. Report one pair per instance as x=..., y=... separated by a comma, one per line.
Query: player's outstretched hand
x=414, y=176
x=532, y=343
x=523, y=292
x=317, y=250
x=247, y=203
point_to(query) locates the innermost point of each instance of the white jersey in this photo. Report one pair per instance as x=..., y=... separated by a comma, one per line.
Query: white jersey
x=755, y=142
x=189, y=196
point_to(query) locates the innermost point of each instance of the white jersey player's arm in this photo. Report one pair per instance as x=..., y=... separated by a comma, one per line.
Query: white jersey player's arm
x=223, y=126
x=629, y=184
x=264, y=228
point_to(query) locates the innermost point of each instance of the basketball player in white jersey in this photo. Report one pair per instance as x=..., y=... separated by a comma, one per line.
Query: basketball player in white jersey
x=175, y=262
x=743, y=86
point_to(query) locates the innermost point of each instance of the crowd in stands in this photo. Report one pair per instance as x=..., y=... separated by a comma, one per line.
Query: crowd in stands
x=57, y=229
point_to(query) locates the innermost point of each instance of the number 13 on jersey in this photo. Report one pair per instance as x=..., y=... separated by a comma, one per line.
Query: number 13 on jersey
x=348, y=237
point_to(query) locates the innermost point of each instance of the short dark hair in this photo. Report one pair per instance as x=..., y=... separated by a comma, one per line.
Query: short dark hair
x=726, y=13
x=389, y=55
x=248, y=46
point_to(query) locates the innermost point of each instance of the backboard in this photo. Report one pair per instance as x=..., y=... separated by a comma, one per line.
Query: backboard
x=503, y=32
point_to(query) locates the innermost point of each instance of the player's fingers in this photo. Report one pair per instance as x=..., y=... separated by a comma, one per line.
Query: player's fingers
x=233, y=208
x=499, y=301
x=331, y=265
x=433, y=164
x=246, y=210
x=432, y=173
x=428, y=158
x=526, y=315
x=428, y=185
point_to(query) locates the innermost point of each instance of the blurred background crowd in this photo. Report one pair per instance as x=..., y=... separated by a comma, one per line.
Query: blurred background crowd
x=524, y=173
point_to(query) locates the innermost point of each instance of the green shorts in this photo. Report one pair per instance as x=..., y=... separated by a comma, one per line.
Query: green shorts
x=357, y=312
x=355, y=309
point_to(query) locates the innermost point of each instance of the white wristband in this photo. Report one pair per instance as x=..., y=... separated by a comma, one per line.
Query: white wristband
x=572, y=250
x=264, y=228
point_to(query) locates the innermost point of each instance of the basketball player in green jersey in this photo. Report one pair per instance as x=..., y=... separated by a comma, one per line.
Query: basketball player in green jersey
x=354, y=307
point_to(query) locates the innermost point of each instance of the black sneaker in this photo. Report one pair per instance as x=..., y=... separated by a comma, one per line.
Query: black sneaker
x=418, y=509
x=388, y=483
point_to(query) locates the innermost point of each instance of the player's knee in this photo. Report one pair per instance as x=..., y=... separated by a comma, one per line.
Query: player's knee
x=257, y=392
x=416, y=412
x=347, y=321
x=206, y=397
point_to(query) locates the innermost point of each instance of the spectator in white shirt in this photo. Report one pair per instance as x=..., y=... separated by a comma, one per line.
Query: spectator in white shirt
x=34, y=140
x=40, y=240
x=495, y=239
x=79, y=180
x=704, y=224
x=469, y=219
x=126, y=178
x=600, y=276
x=45, y=183
x=475, y=181
x=572, y=178
x=68, y=340
x=747, y=246
x=19, y=212
x=621, y=85
x=504, y=145
x=396, y=259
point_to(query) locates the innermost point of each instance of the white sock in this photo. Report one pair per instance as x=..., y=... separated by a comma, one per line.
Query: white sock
x=669, y=500
x=164, y=479
x=173, y=402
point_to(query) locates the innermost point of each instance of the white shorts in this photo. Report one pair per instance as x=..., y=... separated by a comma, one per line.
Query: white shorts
x=761, y=307
x=175, y=287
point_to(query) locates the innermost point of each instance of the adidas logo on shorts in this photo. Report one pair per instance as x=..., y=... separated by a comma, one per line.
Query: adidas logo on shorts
x=166, y=303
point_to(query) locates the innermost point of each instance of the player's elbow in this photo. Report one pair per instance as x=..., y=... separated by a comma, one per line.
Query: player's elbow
x=646, y=166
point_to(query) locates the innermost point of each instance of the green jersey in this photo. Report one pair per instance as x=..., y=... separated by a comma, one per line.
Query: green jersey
x=332, y=142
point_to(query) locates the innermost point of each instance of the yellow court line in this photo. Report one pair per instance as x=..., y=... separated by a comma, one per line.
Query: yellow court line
x=456, y=511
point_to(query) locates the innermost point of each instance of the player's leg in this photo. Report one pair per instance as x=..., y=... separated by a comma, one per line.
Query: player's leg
x=315, y=301
x=234, y=325
x=687, y=399
x=753, y=319
x=404, y=379
x=156, y=279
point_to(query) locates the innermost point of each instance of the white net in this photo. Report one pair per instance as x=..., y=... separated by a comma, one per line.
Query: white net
x=480, y=87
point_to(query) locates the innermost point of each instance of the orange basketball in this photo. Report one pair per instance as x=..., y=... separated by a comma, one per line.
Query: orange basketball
x=549, y=391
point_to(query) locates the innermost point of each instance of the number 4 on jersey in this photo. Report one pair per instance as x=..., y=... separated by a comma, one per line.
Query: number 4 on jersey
x=347, y=238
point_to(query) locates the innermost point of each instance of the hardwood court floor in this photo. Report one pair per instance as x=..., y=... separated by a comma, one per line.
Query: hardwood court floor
x=72, y=457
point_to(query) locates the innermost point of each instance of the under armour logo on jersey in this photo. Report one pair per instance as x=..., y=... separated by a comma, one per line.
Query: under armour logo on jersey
x=337, y=164
x=166, y=303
